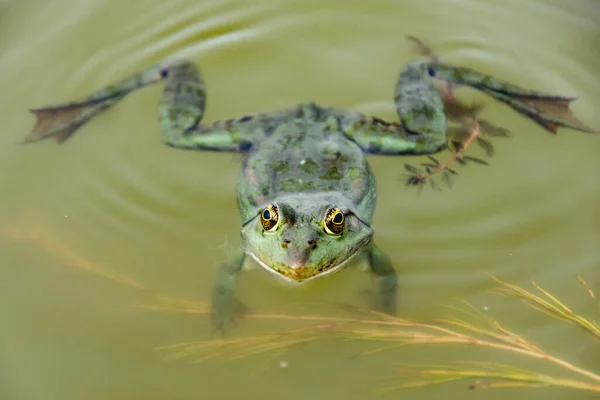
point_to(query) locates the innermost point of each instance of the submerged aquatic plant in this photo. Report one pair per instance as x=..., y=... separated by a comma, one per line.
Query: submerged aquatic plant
x=396, y=332
x=480, y=330
x=461, y=138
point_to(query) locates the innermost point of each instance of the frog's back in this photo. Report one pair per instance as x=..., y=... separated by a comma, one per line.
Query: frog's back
x=305, y=154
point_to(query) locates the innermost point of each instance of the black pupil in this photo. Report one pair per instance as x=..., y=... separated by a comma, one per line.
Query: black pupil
x=267, y=214
x=431, y=71
x=337, y=219
x=164, y=72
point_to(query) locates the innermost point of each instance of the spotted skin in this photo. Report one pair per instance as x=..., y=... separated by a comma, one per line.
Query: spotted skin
x=310, y=154
x=305, y=164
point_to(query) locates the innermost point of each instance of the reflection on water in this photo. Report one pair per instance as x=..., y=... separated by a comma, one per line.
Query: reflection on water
x=118, y=204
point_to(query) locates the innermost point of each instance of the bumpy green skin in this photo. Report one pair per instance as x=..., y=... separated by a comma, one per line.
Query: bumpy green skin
x=420, y=106
x=304, y=160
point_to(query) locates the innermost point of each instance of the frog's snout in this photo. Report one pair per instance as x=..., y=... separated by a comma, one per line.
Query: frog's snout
x=298, y=252
x=296, y=263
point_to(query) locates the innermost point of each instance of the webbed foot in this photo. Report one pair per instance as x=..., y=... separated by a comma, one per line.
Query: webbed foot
x=62, y=121
x=416, y=177
x=550, y=112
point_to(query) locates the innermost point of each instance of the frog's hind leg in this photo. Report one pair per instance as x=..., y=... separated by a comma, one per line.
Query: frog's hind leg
x=451, y=105
x=549, y=111
x=62, y=121
x=181, y=108
x=454, y=109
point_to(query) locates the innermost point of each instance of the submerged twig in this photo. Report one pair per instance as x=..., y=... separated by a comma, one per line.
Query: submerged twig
x=454, y=110
x=418, y=178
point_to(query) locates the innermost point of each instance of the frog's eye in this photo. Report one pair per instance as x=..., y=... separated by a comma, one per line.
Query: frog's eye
x=269, y=218
x=334, y=221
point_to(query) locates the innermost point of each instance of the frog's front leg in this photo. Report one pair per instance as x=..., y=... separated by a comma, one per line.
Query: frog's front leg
x=385, y=280
x=224, y=306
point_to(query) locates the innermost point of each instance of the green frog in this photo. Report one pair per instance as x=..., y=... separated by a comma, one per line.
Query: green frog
x=306, y=193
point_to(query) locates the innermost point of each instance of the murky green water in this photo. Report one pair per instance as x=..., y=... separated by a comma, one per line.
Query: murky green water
x=114, y=198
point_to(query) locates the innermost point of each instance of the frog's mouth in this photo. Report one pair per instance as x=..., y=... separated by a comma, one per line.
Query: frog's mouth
x=305, y=274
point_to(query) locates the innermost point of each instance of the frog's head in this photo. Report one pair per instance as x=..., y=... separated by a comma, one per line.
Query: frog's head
x=301, y=239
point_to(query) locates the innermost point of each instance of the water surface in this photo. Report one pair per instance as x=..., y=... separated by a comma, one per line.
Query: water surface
x=115, y=198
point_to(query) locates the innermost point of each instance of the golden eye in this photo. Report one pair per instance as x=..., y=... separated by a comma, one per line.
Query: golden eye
x=269, y=217
x=334, y=221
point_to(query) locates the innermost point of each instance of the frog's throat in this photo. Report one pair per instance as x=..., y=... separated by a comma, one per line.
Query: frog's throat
x=330, y=271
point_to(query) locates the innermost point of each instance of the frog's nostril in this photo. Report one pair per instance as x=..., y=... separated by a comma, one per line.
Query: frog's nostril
x=285, y=243
x=312, y=243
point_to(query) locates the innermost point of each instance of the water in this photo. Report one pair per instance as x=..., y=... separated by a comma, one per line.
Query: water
x=114, y=198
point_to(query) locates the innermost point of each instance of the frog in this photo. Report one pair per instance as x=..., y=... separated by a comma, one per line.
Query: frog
x=306, y=192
